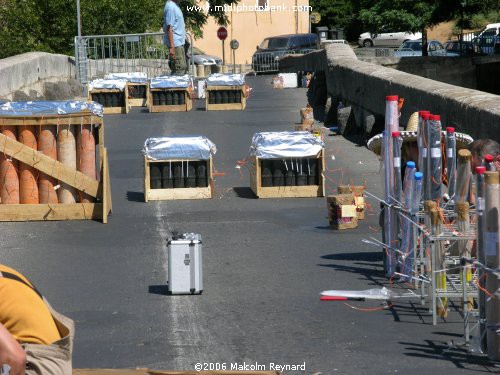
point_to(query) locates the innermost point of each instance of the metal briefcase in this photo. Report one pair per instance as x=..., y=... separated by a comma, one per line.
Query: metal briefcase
x=185, y=274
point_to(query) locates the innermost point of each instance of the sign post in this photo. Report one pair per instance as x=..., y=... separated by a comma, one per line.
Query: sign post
x=222, y=35
x=314, y=18
x=234, y=44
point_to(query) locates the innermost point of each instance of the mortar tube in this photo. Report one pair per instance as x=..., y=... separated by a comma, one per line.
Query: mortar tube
x=451, y=161
x=480, y=253
x=435, y=164
x=489, y=163
x=425, y=151
x=406, y=225
x=491, y=248
x=464, y=174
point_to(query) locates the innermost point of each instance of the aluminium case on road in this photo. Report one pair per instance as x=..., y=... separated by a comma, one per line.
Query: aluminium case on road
x=185, y=264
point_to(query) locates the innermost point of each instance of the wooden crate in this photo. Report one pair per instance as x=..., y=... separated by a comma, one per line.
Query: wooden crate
x=187, y=106
x=359, y=199
x=176, y=193
x=165, y=372
x=285, y=191
x=225, y=106
x=342, y=211
x=137, y=102
x=111, y=110
x=99, y=189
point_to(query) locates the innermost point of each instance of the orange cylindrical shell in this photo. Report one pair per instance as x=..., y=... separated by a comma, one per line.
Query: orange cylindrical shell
x=48, y=146
x=66, y=154
x=28, y=187
x=85, y=155
x=9, y=179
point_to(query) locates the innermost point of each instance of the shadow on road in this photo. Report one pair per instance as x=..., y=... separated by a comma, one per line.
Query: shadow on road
x=162, y=290
x=449, y=352
x=375, y=256
x=135, y=196
x=244, y=192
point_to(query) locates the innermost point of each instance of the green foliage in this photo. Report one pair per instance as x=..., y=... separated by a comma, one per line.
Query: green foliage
x=334, y=13
x=51, y=25
x=375, y=16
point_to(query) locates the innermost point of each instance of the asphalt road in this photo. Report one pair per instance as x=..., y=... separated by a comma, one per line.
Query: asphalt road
x=265, y=262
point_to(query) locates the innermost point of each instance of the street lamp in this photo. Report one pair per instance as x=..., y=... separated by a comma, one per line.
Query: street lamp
x=79, y=23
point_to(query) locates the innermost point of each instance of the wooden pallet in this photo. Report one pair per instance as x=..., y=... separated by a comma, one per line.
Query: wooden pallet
x=176, y=193
x=187, y=106
x=285, y=191
x=111, y=110
x=137, y=102
x=225, y=106
x=99, y=189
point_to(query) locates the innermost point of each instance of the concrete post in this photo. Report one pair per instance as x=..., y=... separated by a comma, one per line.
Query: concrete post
x=200, y=71
x=225, y=69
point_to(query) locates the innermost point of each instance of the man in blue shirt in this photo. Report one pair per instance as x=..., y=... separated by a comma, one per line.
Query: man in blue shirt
x=175, y=35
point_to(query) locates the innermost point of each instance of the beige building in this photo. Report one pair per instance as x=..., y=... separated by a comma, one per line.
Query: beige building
x=250, y=21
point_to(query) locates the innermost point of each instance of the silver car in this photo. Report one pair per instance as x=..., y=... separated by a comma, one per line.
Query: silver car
x=389, y=39
x=201, y=58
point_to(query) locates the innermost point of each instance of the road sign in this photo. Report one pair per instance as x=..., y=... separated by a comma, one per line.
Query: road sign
x=315, y=17
x=222, y=33
x=234, y=44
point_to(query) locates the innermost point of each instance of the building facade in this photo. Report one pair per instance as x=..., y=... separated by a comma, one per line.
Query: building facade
x=250, y=21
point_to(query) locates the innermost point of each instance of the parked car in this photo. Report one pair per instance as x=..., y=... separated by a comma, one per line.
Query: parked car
x=269, y=52
x=201, y=58
x=457, y=48
x=414, y=48
x=386, y=39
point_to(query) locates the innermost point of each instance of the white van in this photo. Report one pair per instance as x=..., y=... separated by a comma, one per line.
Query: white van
x=485, y=41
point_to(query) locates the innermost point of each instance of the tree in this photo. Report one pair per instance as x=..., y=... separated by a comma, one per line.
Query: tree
x=51, y=25
x=413, y=16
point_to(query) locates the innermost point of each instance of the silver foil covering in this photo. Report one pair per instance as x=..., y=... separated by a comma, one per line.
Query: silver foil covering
x=135, y=77
x=226, y=80
x=171, y=82
x=49, y=108
x=276, y=145
x=189, y=147
x=118, y=84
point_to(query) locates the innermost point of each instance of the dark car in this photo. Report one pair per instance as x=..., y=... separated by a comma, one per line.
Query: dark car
x=269, y=52
x=457, y=48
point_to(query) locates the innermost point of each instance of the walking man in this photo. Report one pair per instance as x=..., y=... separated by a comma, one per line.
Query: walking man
x=175, y=35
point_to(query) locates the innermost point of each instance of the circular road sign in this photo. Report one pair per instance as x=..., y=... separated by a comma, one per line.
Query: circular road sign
x=315, y=17
x=222, y=33
x=234, y=44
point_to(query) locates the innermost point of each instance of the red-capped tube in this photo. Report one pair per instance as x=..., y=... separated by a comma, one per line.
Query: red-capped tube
x=435, y=117
x=450, y=130
x=481, y=169
x=421, y=113
x=488, y=158
x=396, y=134
x=392, y=98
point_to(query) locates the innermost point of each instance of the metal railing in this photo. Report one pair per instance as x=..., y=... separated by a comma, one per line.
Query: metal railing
x=264, y=62
x=98, y=55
